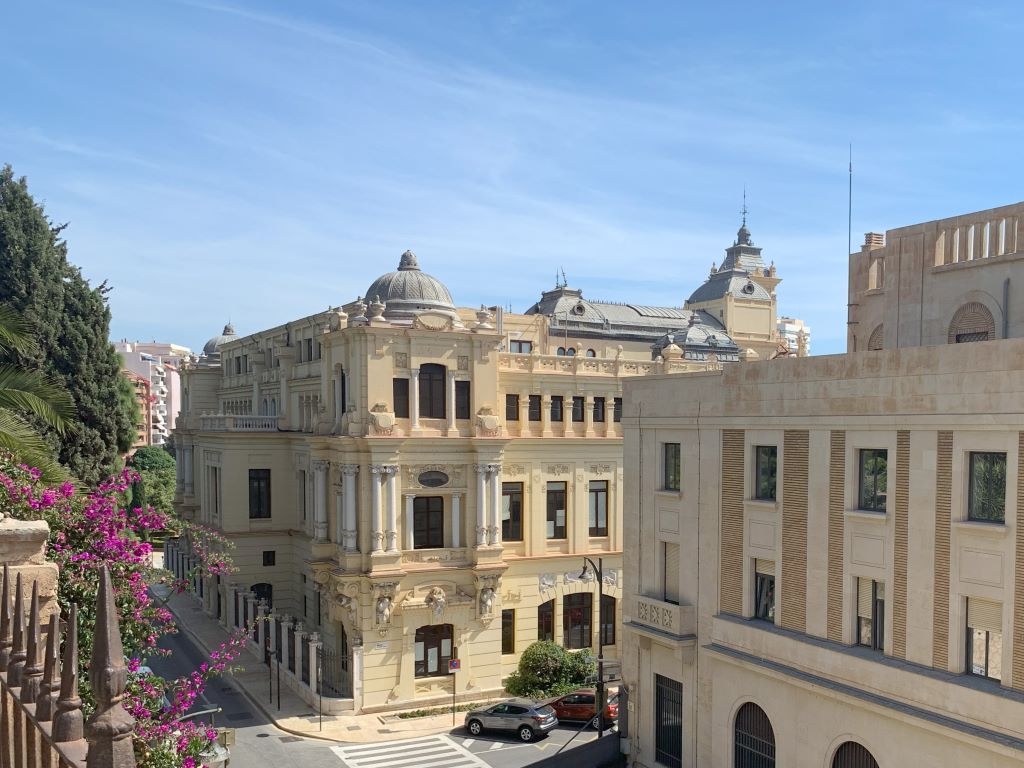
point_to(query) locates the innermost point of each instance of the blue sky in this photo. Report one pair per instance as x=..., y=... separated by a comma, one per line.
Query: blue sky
x=266, y=160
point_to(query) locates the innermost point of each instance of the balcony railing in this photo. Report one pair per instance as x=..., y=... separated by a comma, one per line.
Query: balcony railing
x=446, y=556
x=666, y=617
x=234, y=423
x=588, y=366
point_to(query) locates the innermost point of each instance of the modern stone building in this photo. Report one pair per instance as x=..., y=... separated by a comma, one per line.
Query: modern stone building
x=824, y=562
x=414, y=481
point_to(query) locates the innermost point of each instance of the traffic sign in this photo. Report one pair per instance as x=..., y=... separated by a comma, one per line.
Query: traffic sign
x=454, y=665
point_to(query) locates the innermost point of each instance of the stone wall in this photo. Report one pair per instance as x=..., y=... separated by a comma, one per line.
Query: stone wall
x=23, y=549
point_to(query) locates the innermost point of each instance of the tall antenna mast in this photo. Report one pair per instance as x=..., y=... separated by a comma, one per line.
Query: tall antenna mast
x=744, y=211
x=849, y=210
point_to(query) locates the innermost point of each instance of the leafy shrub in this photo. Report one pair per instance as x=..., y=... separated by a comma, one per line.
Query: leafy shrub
x=546, y=669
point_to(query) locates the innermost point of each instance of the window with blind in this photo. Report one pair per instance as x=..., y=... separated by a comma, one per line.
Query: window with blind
x=511, y=407
x=871, y=614
x=764, y=590
x=984, y=638
x=670, y=585
x=556, y=501
x=512, y=511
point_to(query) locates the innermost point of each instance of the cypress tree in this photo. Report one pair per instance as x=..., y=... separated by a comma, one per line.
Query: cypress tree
x=71, y=323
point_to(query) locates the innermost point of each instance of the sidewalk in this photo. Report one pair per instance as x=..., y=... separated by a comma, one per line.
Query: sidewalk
x=295, y=716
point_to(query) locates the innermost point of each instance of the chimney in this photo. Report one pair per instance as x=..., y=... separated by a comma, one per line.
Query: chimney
x=874, y=240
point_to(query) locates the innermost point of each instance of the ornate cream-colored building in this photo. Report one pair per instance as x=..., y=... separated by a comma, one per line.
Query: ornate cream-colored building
x=834, y=575
x=411, y=482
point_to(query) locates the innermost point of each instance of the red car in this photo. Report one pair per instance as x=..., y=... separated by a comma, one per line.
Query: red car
x=579, y=705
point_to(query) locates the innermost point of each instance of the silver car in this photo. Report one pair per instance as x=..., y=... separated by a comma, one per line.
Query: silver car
x=526, y=717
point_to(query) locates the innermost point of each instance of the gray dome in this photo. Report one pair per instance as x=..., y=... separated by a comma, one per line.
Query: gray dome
x=212, y=347
x=699, y=339
x=408, y=291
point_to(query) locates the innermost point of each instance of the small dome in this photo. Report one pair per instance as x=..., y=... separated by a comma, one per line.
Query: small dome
x=408, y=291
x=212, y=347
x=695, y=341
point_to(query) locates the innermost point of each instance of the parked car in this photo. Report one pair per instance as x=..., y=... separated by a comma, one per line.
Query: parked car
x=526, y=717
x=580, y=705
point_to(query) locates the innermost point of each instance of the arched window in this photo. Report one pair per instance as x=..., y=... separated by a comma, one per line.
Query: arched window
x=570, y=352
x=591, y=353
x=972, y=322
x=877, y=338
x=433, y=650
x=273, y=406
x=264, y=408
x=264, y=591
x=431, y=385
x=754, y=738
x=561, y=352
x=853, y=755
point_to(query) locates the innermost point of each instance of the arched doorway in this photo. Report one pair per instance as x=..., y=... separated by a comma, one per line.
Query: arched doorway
x=264, y=591
x=754, y=738
x=853, y=755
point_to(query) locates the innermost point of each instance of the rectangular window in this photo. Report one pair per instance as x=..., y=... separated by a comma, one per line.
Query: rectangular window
x=598, y=409
x=871, y=614
x=319, y=350
x=512, y=511
x=873, y=479
x=556, y=510
x=556, y=407
x=269, y=558
x=598, y=507
x=764, y=590
x=986, y=500
x=577, y=408
x=668, y=718
x=521, y=347
x=462, y=400
x=309, y=349
x=577, y=618
x=984, y=638
x=617, y=410
x=508, y=631
x=534, y=406
x=302, y=493
x=428, y=522
x=432, y=391
x=672, y=460
x=607, y=620
x=245, y=363
x=546, y=621
x=432, y=650
x=511, y=407
x=400, y=388
x=238, y=365
x=765, y=470
x=670, y=572
x=259, y=493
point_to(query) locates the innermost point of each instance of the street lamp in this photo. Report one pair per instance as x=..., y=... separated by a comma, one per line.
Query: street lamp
x=599, y=572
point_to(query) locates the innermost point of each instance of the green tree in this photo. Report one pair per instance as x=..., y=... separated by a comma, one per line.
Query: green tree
x=71, y=321
x=547, y=669
x=28, y=394
x=156, y=468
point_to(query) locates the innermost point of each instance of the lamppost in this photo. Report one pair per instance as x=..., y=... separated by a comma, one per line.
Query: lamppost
x=601, y=702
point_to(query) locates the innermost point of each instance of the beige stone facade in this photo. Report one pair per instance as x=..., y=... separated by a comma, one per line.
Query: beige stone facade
x=839, y=578
x=413, y=481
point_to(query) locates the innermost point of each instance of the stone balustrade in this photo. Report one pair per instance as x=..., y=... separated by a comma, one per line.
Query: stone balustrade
x=237, y=423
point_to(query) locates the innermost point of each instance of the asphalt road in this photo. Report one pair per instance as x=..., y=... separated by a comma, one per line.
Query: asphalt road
x=259, y=743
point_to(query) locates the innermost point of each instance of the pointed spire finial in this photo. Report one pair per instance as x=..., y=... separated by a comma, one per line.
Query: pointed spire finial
x=744, y=205
x=67, y=723
x=5, y=619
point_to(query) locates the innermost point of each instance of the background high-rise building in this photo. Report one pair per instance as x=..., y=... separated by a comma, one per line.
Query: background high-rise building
x=159, y=364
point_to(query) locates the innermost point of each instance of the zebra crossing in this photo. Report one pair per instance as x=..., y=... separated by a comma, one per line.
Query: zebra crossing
x=428, y=752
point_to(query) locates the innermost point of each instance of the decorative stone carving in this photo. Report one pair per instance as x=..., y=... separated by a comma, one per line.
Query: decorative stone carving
x=383, y=611
x=376, y=316
x=484, y=318
x=611, y=577
x=600, y=469
x=514, y=470
x=437, y=600
x=360, y=313
x=486, y=601
x=557, y=469
x=487, y=422
x=401, y=360
x=547, y=581
x=430, y=321
x=382, y=421
x=463, y=362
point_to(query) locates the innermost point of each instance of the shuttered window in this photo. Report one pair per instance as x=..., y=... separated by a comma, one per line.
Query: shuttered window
x=671, y=587
x=984, y=638
x=984, y=614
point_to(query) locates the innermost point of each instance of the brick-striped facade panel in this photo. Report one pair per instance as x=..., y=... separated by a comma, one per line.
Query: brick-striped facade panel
x=730, y=585
x=1018, y=595
x=902, y=523
x=836, y=532
x=940, y=599
x=794, y=530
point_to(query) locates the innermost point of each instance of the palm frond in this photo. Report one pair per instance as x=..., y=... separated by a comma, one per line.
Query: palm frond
x=29, y=447
x=15, y=332
x=32, y=392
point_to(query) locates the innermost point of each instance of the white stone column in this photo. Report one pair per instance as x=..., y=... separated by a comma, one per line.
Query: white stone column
x=392, y=501
x=375, y=509
x=282, y=408
x=494, y=537
x=609, y=416
x=410, y=499
x=456, y=520
x=189, y=485
x=339, y=403
x=481, y=504
x=451, y=400
x=339, y=515
x=348, y=488
x=264, y=624
x=414, y=398
x=545, y=414
x=524, y=413
x=357, y=676
x=320, y=469
x=588, y=415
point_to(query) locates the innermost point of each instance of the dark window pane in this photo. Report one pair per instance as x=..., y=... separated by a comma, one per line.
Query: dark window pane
x=764, y=596
x=259, y=493
x=599, y=409
x=873, y=479
x=577, y=408
x=672, y=466
x=607, y=620
x=511, y=407
x=462, y=404
x=400, y=387
x=556, y=408
x=428, y=522
x=432, y=397
x=432, y=651
x=512, y=511
x=577, y=614
x=546, y=621
x=754, y=738
x=618, y=409
x=668, y=718
x=598, y=511
x=534, y=408
x=766, y=466
x=556, y=510
x=508, y=631
x=987, y=491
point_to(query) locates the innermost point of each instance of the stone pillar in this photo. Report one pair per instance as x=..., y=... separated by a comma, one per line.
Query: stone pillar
x=375, y=510
x=494, y=537
x=339, y=515
x=349, y=472
x=357, y=676
x=392, y=501
x=456, y=520
x=524, y=413
x=282, y=409
x=256, y=394
x=609, y=416
x=481, y=504
x=410, y=542
x=339, y=403
x=320, y=469
x=451, y=400
x=314, y=648
x=545, y=414
x=588, y=415
x=264, y=625
x=286, y=650
x=568, y=425
x=414, y=398
x=187, y=451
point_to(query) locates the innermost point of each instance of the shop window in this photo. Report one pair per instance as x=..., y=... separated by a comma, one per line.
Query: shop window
x=546, y=621
x=577, y=617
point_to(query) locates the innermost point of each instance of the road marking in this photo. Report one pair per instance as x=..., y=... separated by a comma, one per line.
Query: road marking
x=496, y=745
x=467, y=743
x=430, y=752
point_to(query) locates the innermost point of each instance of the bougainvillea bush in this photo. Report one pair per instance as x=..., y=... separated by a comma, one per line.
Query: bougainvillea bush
x=92, y=529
